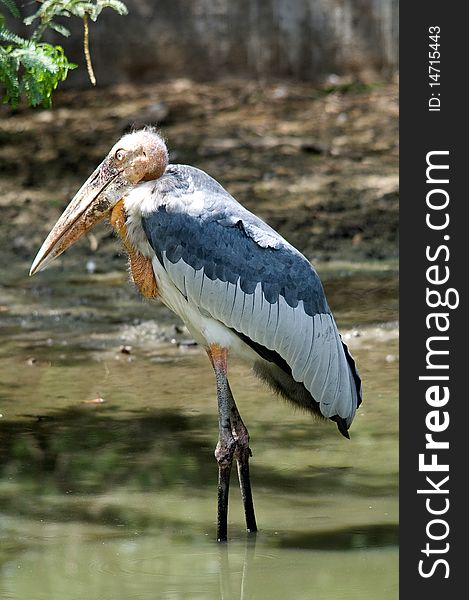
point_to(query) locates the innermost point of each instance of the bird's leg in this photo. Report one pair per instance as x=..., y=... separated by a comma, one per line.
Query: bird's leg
x=226, y=445
x=233, y=441
x=242, y=455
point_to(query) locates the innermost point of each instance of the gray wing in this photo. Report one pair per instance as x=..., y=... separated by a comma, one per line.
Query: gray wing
x=241, y=272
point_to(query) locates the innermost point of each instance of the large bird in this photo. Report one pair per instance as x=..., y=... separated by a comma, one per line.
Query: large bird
x=235, y=282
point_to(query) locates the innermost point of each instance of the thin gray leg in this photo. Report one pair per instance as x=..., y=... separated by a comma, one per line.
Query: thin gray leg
x=233, y=442
x=226, y=446
x=242, y=455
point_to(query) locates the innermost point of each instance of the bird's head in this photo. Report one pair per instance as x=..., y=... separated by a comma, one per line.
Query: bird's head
x=138, y=156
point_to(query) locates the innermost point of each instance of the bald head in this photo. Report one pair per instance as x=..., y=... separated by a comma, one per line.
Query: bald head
x=142, y=155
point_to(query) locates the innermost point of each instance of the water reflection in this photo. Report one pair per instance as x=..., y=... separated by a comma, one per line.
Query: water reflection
x=82, y=452
x=227, y=589
x=159, y=568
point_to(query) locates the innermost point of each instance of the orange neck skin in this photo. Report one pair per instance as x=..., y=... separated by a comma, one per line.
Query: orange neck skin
x=141, y=269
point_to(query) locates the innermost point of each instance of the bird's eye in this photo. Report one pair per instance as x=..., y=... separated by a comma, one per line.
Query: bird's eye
x=120, y=154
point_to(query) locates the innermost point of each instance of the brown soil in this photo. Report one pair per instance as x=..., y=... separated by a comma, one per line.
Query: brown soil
x=320, y=165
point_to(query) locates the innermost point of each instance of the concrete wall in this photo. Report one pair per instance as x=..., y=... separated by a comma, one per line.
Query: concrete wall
x=207, y=39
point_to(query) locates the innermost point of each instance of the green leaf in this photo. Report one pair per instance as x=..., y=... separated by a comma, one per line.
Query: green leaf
x=116, y=5
x=12, y=8
x=50, y=9
x=32, y=70
x=9, y=36
x=9, y=77
x=59, y=28
x=36, y=61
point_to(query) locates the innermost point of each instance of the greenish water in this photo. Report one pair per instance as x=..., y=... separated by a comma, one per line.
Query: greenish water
x=116, y=499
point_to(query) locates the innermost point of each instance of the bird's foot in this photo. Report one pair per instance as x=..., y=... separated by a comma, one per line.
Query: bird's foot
x=225, y=451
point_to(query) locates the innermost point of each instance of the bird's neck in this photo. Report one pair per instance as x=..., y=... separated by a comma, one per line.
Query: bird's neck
x=141, y=269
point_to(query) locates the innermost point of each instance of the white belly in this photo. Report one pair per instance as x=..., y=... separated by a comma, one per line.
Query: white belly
x=203, y=327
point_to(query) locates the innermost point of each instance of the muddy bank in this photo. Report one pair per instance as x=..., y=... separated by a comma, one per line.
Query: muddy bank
x=319, y=164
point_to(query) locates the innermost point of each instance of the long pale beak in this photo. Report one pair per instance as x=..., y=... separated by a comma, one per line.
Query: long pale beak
x=90, y=205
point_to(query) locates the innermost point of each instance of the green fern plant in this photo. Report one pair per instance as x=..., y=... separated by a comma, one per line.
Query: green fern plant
x=33, y=69
x=83, y=9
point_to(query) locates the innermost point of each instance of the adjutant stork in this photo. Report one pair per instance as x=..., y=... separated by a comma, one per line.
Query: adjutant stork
x=235, y=282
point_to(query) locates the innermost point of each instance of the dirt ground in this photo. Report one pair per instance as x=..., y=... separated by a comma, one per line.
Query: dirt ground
x=319, y=164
